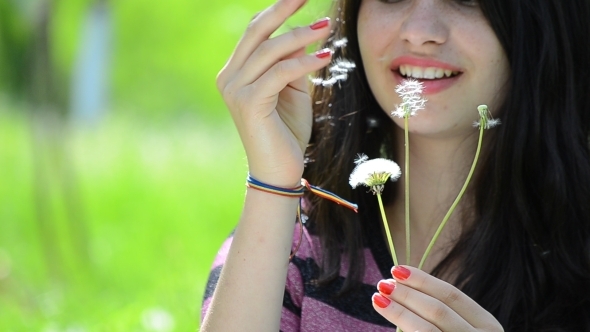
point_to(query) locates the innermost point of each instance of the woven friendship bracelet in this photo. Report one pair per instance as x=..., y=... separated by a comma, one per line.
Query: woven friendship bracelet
x=298, y=191
x=291, y=192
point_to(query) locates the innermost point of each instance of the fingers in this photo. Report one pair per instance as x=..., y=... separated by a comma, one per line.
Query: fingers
x=273, y=50
x=447, y=294
x=412, y=310
x=403, y=318
x=259, y=30
x=282, y=73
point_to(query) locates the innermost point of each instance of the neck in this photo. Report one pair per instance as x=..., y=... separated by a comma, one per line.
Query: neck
x=438, y=169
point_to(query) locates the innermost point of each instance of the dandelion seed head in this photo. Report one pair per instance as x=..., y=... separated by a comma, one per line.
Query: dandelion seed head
x=485, y=118
x=409, y=88
x=410, y=92
x=483, y=110
x=374, y=173
x=399, y=112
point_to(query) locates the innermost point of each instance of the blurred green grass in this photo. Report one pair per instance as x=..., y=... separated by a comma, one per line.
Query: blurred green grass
x=157, y=202
x=167, y=53
x=114, y=226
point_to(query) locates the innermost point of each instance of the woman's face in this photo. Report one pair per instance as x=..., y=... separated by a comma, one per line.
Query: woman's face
x=446, y=44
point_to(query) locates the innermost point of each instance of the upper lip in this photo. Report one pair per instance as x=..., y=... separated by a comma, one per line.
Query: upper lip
x=422, y=62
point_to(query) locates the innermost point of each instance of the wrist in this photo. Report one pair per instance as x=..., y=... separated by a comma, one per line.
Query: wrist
x=277, y=180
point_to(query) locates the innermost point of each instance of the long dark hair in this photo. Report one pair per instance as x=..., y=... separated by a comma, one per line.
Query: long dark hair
x=526, y=256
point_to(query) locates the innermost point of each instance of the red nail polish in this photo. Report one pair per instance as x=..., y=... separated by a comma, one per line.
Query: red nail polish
x=400, y=272
x=326, y=52
x=380, y=301
x=386, y=287
x=322, y=23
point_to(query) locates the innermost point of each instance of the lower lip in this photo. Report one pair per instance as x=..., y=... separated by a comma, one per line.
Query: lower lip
x=431, y=86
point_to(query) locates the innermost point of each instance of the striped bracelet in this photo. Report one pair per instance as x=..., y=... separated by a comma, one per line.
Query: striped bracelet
x=298, y=192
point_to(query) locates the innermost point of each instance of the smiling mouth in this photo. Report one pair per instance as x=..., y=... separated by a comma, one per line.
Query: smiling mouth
x=426, y=73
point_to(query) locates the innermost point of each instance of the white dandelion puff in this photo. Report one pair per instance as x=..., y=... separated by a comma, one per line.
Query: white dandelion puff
x=374, y=174
x=409, y=88
x=399, y=112
x=410, y=91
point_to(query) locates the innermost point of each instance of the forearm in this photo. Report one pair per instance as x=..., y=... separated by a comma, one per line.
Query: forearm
x=250, y=290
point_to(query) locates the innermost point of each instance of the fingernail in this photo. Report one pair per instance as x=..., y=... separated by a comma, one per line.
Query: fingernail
x=326, y=52
x=321, y=23
x=400, y=272
x=385, y=287
x=380, y=300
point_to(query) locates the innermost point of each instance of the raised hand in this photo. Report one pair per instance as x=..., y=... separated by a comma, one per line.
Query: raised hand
x=417, y=301
x=265, y=88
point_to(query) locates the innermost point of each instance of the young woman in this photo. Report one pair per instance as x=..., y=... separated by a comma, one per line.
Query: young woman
x=515, y=256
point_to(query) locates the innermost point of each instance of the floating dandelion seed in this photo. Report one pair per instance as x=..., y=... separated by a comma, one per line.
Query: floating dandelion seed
x=316, y=80
x=345, y=64
x=360, y=158
x=340, y=67
x=410, y=91
x=340, y=42
x=338, y=72
x=329, y=82
x=374, y=173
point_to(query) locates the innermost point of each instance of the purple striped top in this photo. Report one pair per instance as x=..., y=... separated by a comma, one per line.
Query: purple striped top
x=309, y=307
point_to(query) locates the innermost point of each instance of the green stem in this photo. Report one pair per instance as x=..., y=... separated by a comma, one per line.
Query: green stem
x=407, y=185
x=456, y=202
x=386, y=226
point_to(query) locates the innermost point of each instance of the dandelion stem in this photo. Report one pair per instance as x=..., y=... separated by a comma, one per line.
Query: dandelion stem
x=456, y=202
x=407, y=189
x=386, y=226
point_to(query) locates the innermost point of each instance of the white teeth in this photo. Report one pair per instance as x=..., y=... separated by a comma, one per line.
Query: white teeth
x=439, y=73
x=425, y=73
x=417, y=72
x=429, y=73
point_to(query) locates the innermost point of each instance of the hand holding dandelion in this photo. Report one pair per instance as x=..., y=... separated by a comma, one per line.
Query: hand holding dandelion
x=374, y=174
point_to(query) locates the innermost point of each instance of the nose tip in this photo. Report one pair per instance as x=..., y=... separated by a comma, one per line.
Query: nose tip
x=424, y=24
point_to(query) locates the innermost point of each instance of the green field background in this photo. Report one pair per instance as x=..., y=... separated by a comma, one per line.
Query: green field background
x=113, y=225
